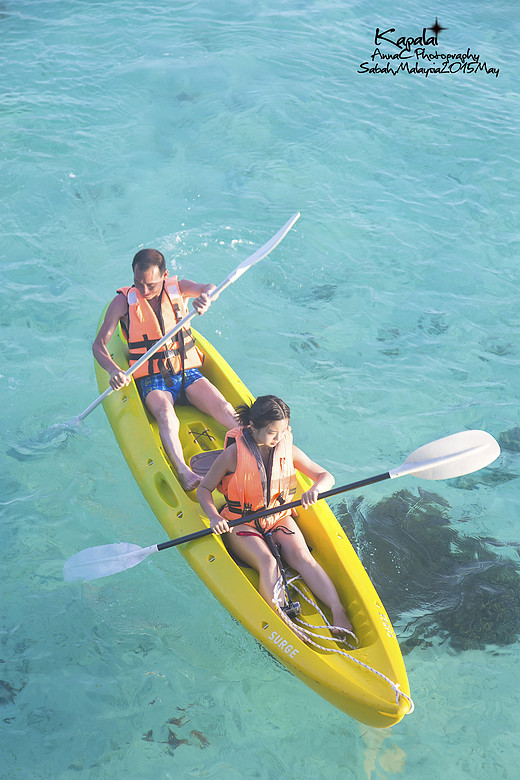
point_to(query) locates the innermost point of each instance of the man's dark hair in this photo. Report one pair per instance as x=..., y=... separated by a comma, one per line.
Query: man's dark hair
x=148, y=257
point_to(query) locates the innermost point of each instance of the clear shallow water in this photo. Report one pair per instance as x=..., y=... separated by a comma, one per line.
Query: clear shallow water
x=386, y=319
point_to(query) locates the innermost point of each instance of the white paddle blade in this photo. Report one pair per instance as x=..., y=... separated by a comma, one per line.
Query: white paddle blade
x=263, y=251
x=108, y=559
x=455, y=455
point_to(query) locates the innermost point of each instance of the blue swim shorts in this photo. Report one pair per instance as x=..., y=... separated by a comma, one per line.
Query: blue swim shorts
x=156, y=382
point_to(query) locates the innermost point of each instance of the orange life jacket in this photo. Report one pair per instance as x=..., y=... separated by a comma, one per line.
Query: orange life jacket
x=250, y=488
x=145, y=329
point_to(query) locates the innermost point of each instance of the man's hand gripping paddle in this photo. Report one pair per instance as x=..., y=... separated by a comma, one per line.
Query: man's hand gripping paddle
x=46, y=436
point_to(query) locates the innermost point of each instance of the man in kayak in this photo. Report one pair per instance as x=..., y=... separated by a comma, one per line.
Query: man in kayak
x=257, y=469
x=147, y=311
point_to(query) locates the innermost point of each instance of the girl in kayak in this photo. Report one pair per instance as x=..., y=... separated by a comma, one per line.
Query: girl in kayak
x=257, y=469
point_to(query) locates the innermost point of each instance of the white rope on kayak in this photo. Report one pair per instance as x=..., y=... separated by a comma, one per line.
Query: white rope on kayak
x=327, y=625
x=308, y=636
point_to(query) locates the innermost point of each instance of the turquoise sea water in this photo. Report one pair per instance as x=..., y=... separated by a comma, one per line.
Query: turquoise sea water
x=387, y=318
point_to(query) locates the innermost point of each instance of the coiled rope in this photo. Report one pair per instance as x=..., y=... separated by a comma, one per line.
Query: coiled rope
x=302, y=630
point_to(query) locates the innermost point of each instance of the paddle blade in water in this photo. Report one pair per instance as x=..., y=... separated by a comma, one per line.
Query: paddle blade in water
x=455, y=455
x=45, y=440
x=108, y=559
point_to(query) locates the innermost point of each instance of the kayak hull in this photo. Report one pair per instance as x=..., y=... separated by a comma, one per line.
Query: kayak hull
x=358, y=682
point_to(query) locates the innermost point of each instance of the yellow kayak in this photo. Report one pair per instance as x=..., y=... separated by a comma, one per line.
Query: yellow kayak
x=369, y=683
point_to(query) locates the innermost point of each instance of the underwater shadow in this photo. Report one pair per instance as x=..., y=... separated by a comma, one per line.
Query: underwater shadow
x=459, y=588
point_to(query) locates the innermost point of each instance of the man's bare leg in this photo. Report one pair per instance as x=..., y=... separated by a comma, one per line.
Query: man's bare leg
x=160, y=404
x=209, y=400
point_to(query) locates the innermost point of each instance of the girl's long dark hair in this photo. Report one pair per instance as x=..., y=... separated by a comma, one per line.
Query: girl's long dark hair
x=265, y=410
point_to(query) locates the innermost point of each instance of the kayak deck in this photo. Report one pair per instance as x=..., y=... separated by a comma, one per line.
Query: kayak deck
x=352, y=680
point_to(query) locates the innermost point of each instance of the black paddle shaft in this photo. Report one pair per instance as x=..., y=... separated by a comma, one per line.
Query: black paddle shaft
x=273, y=511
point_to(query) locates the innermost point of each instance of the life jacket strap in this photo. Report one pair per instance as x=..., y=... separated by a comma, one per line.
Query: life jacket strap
x=168, y=381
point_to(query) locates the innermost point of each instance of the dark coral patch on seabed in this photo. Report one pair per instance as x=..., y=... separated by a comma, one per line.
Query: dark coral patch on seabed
x=173, y=741
x=464, y=592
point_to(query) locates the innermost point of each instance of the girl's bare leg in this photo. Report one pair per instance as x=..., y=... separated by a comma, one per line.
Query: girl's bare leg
x=298, y=556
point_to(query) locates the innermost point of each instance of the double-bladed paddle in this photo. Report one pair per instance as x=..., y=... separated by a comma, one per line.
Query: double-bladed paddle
x=452, y=456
